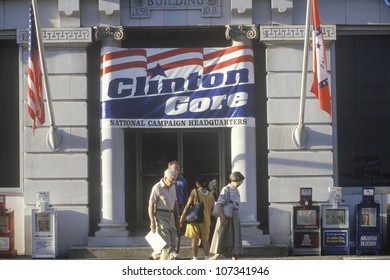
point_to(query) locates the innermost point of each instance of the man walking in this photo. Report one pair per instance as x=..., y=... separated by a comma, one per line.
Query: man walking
x=182, y=197
x=163, y=212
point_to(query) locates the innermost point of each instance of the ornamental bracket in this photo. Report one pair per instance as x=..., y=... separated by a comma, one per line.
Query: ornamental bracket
x=233, y=31
x=103, y=32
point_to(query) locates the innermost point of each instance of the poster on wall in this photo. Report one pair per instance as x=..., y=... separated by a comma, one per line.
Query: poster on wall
x=177, y=87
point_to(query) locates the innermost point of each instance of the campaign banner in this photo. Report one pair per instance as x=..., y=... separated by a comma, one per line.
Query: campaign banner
x=177, y=87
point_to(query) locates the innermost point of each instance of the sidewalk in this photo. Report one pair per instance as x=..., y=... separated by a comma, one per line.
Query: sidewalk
x=142, y=253
x=268, y=252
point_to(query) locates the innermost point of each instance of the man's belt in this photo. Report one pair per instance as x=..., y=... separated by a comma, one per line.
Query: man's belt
x=165, y=210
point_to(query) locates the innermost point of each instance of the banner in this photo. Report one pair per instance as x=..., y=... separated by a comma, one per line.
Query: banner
x=177, y=87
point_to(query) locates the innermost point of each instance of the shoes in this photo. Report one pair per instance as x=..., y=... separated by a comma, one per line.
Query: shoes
x=173, y=256
x=151, y=257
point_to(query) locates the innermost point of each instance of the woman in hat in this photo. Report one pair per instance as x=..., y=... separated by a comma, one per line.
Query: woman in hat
x=227, y=238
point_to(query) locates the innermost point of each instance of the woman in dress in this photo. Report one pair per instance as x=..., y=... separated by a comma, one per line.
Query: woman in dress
x=199, y=231
x=227, y=238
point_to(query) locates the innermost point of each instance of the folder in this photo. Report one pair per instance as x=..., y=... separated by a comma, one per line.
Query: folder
x=155, y=241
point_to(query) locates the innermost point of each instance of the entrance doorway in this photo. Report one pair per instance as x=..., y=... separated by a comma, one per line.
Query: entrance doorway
x=200, y=152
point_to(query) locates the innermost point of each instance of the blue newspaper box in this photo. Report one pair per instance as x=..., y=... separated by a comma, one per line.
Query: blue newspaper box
x=368, y=237
x=335, y=230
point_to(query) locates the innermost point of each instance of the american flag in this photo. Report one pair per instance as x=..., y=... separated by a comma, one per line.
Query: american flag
x=320, y=86
x=36, y=108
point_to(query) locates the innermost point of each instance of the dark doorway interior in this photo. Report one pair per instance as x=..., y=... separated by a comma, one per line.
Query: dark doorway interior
x=200, y=152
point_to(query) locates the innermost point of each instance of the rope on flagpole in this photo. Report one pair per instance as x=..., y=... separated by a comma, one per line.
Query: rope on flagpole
x=299, y=133
x=53, y=138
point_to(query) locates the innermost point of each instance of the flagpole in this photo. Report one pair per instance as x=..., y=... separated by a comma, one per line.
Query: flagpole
x=299, y=134
x=53, y=137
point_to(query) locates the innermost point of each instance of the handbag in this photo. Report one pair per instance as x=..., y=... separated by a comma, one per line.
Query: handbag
x=195, y=212
x=227, y=207
x=227, y=210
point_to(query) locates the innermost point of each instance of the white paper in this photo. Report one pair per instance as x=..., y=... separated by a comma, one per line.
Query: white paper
x=155, y=241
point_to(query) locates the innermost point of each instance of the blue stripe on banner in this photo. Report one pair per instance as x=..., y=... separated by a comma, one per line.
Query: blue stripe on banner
x=387, y=2
x=227, y=102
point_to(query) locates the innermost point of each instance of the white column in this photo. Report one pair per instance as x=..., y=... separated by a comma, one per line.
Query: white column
x=243, y=153
x=113, y=221
x=113, y=224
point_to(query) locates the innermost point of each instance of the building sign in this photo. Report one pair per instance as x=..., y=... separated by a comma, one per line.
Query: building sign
x=177, y=87
x=366, y=165
x=142, y=8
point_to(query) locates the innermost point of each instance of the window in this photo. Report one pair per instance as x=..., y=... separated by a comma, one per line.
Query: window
x=363, y=110
x=9, y=114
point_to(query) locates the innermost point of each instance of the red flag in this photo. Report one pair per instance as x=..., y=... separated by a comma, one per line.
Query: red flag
x=320, y=86
x=36, y=108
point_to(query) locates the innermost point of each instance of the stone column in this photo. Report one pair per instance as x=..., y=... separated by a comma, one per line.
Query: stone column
x=113, y=224
x=243, y=152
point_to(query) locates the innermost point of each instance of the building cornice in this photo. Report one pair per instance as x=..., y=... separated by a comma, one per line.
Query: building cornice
x=55, y=37
x=274, y=34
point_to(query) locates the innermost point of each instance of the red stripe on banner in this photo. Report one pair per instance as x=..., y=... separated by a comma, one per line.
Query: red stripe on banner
x=227, y=63
x=175, y=52
x=226, y=51
x=122, y=66
x=182, y=63
x=185, y=62
x=121, y=54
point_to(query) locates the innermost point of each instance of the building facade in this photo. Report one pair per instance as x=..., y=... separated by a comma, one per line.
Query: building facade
x=99, y=178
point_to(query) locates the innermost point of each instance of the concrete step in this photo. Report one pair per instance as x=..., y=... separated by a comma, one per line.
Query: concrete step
x=142, y=253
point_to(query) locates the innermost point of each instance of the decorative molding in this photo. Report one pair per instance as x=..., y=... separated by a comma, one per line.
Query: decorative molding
x=250, y=31
x=242, y=6
x=69, y=7
x=73, y=37
x=283, y=33
x=142, y=8
x=281, y=5
x=103, y=32
x=109, y=7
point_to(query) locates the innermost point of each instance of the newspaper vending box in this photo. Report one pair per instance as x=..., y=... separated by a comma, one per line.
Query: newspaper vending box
x=44, y=239
x=335, y=230
x=306, y=225
x=335, y=225
x=44, y=229
x=368, y=238
x=7, y=231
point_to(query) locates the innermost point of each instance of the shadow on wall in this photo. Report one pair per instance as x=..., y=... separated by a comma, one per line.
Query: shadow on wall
x=315, y=139
x=280, y=226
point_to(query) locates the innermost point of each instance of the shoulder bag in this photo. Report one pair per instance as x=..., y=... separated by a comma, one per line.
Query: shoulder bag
x=195, y=212
x=227, y=207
